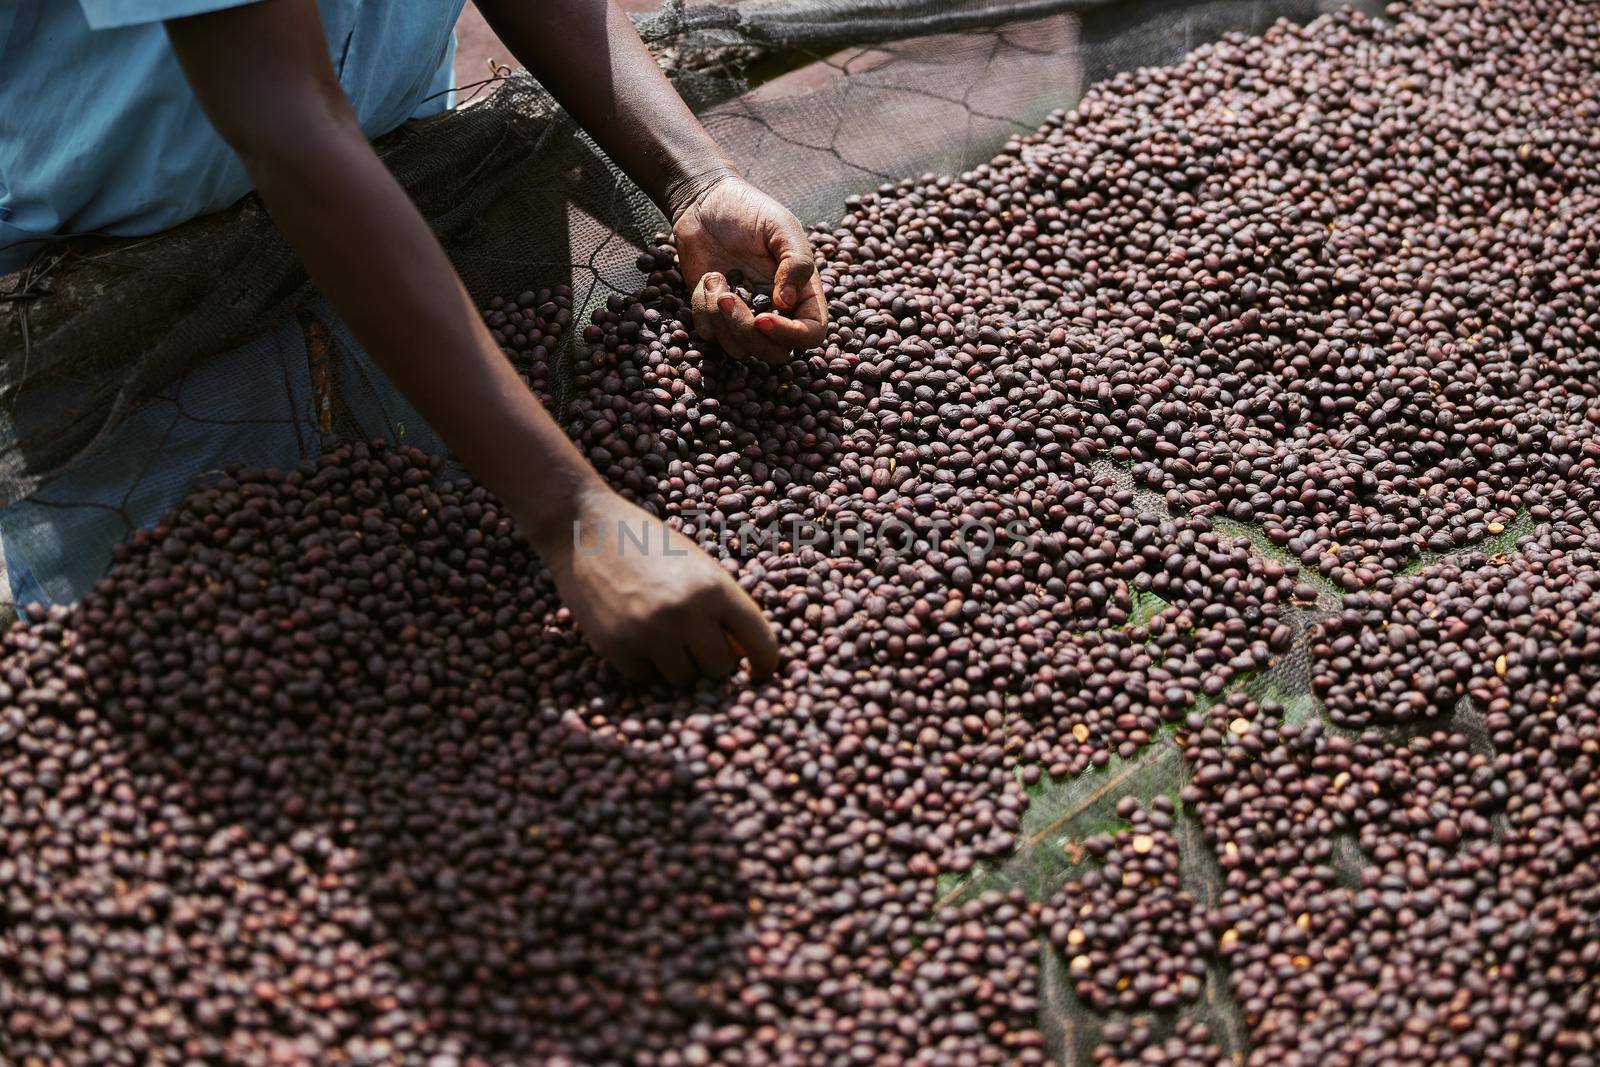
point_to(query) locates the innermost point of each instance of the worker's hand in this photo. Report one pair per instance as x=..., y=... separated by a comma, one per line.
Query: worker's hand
x=732, y=225
x=666, y=608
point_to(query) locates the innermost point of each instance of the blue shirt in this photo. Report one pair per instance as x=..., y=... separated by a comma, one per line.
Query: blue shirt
x=99, y=132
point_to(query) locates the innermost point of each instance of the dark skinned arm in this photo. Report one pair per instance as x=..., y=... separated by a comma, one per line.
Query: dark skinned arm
x=263, y=75
x=590, y=58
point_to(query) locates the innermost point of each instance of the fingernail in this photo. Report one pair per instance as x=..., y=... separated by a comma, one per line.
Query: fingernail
x=725, y=302
x=787, y=296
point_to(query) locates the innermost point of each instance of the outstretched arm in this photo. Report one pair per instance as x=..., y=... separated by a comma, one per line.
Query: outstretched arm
x=263, y=75
x=590, y=58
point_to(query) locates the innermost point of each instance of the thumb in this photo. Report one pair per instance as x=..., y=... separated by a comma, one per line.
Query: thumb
x=796, y=264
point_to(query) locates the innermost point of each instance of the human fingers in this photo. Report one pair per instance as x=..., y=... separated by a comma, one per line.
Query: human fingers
x=804, y=327
x=700, y=306
x=709, y=648
x=739, y=322
x=797, y=263
x=673, y=661
x=751, y=633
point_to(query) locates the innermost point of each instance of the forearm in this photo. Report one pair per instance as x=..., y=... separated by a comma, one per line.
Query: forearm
x=590, y=58
x=373, y=256
x=262, y=74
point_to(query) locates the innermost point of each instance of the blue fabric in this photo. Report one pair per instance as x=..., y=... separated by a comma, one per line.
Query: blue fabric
x=110, y=14
x=253, y=405
x=99, y=132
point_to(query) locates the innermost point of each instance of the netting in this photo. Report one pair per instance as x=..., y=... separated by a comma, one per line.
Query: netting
x=99, y=332
x=120, y=405
x=1065, y=813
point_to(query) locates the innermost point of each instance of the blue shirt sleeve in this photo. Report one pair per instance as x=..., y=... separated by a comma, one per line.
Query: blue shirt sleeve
x=110, y=14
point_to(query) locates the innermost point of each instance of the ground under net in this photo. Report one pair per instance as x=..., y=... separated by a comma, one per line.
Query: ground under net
x=1236, y=810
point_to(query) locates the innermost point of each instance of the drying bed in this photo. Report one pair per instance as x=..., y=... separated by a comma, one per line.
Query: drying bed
x=1182, y=557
